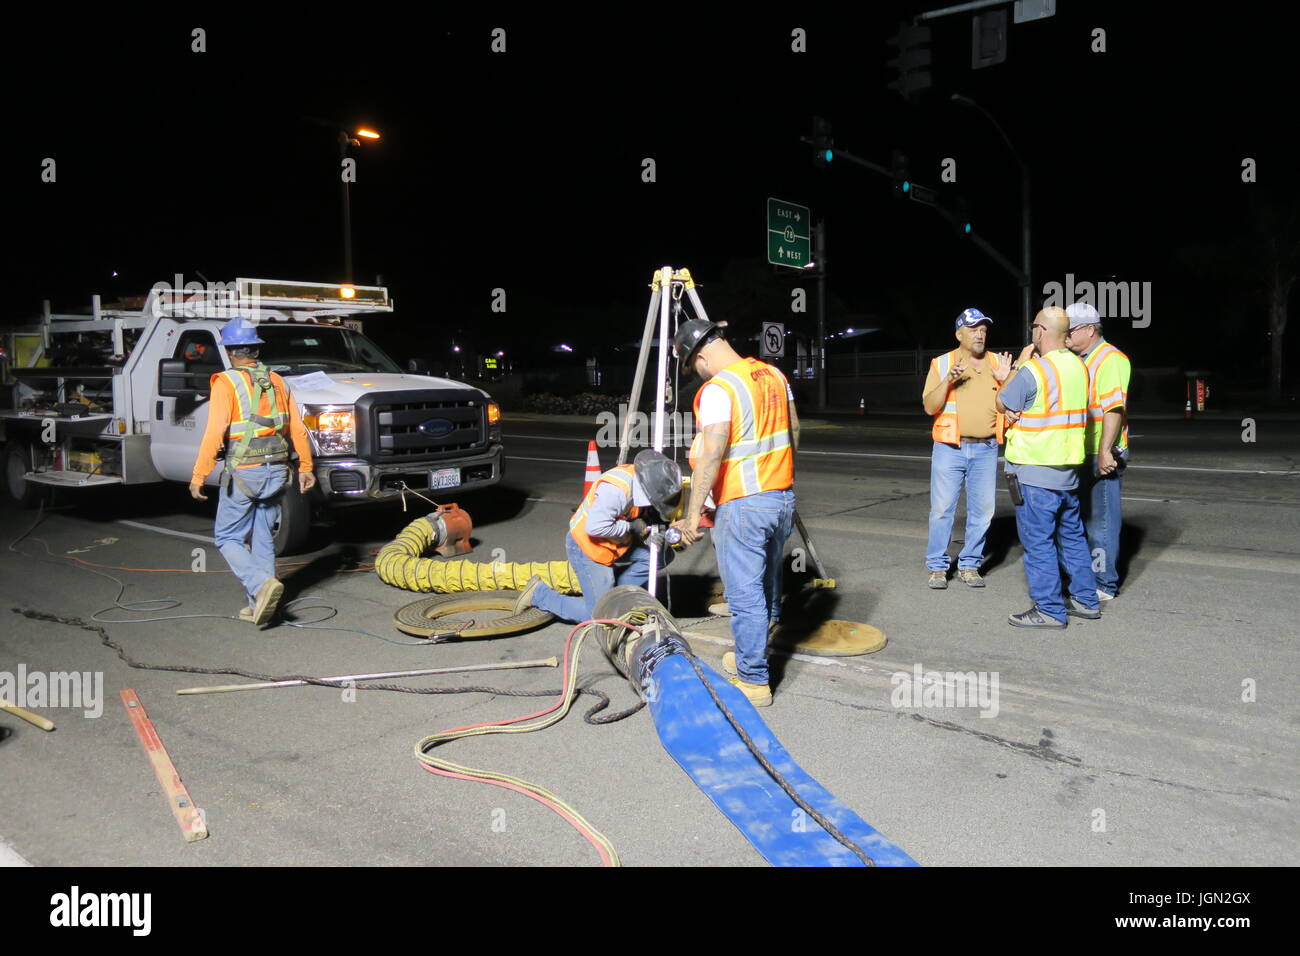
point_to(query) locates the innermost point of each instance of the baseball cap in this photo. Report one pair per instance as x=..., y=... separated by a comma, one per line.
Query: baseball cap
x=972, y=317
x=1081, y=313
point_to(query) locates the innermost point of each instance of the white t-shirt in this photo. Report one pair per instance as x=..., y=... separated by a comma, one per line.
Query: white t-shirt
x=715, y=404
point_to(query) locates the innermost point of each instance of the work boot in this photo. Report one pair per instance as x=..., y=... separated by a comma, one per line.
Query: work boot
x=1035, y=618
x=760, y=695
x=246, y=614
x=938, y=580
x=729, y=664
x=268, y=599
x=1077, y=609
x=525, y=600
x=971, y=577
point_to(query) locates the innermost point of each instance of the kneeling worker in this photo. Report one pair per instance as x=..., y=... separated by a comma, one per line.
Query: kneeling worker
x=611, y=526
x=252, y=410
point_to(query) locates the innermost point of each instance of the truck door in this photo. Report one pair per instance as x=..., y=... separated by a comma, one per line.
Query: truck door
x=177, y=424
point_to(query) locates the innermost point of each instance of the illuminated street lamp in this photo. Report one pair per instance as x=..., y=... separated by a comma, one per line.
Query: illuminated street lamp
x=347, y=139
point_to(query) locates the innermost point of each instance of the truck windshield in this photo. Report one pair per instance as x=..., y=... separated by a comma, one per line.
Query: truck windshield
x=298, y=349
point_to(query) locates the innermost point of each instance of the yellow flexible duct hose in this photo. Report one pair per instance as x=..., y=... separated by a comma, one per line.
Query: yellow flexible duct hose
x=402, y=564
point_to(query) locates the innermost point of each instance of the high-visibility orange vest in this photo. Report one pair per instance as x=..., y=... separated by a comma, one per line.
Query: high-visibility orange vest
x=759, y=456
x=1114, y=379
x=946, y=428
x=605, y=550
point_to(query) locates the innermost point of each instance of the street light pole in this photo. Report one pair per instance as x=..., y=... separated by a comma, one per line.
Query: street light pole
x=344, y=140
x=1026, y=236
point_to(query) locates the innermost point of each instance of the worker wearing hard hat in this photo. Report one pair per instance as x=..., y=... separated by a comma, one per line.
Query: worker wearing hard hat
x=606, y=543
x=253, y=413
x=743, y=454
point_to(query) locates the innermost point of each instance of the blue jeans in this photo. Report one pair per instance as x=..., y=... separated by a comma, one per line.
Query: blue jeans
x=1099, y=502
x=237, y=515
x=749, y=537
x=596, y=580
x=1052, y=534
x=976, y=464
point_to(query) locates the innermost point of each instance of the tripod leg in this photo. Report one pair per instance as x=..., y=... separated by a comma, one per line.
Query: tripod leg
x=823, y=579
x=634, y=400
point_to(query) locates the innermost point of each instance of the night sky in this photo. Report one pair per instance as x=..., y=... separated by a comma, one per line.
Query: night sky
x=522, y=170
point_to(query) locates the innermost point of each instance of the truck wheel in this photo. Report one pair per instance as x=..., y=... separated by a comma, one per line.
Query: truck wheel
x=294, y=527
x=17, y=462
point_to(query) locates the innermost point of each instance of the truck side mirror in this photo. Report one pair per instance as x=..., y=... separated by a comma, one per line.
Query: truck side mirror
x=175, y=382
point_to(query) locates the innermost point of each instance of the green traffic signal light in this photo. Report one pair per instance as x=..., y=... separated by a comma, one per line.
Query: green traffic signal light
x=966, y=228
x=906, y=186
x=828, y=155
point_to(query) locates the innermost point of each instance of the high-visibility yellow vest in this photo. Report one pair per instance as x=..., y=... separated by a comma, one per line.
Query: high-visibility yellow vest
x=605, y=550
x=1051, y=430
x=254, y=438
x=759, y=456
x=946, y=428
x=1109, y=370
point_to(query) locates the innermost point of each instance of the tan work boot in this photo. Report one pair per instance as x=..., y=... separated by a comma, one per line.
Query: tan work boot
x=971, y=577
x=268, y=599
x=246, y=614
x=760, y=695
x=937, y=580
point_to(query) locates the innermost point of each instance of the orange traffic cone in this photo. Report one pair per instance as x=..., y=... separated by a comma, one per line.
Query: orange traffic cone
x=593, y=469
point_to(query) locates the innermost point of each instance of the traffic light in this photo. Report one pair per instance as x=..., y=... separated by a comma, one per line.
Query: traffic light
x=823, y=142
x=961, y=217
x=913, y=59
x=902, y=183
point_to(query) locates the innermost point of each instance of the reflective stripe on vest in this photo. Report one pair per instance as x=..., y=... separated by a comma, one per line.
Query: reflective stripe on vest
x=254, y=438
x=759, y=456
x=946, y=427
x=605, y=550
x=1051, y=430
x=1097, y=404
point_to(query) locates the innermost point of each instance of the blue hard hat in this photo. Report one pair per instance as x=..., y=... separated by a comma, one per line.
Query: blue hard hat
x=240, y=331
x=972, y=317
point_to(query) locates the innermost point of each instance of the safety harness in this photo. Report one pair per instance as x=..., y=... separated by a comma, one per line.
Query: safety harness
x=254, y=439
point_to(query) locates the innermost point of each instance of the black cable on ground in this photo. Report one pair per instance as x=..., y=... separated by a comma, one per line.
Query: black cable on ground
x=602, y=702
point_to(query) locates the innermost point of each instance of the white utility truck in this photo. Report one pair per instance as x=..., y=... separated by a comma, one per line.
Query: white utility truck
x=120, y=396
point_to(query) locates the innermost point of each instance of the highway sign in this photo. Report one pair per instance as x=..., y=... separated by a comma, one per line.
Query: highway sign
x=789, y=228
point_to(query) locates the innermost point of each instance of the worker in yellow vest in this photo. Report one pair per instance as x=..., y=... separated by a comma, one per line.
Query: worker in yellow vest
x=959, y=392
x=1047, y=405
x=742, y=455
x=606, y=543
x=1101, y=476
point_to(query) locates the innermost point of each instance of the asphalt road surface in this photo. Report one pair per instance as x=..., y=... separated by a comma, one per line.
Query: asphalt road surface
x=1163, y=734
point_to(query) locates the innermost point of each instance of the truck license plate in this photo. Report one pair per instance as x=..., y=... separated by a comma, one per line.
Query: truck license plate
x=445, y=478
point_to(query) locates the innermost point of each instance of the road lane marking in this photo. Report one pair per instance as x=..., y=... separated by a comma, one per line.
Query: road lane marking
x=863, y=454
x=11, y=857
x=562, y=461
x=174, y=534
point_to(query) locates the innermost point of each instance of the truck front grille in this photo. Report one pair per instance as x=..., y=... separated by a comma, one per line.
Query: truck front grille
x=420, y=426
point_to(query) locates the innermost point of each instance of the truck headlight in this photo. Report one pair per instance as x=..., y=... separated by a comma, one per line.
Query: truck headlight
x=494, y=421
x=333, y=428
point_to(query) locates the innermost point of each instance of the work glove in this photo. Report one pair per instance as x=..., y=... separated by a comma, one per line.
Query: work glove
x=638, y=528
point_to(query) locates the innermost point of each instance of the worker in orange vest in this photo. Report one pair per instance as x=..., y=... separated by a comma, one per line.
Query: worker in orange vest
x=959, y=392
x=743, y=454
x=606, y=543
x=253, y=413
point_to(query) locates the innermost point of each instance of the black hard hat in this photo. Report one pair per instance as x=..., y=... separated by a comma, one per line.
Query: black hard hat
x=691, y=336
x=660, y=479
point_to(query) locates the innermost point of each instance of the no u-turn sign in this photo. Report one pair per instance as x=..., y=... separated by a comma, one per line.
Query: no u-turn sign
x=773, y=339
